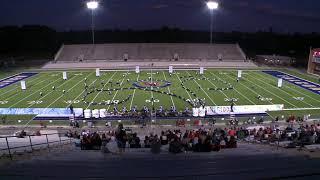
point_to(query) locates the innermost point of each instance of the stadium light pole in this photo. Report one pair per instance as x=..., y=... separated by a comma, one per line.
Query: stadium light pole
x=92, y=5
x=212, y=5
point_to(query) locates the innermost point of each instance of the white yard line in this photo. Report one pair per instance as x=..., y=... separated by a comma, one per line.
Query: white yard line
x=34, y=93
x=18, y=93
x=168, y=89
x=281, y=90
x=300, y=77
x=81, y=93
x=51, y=91
x=152, y=97
x=297, y=90
x=19, y=86
x=55, y=100
x=297, y=109
x=303, y=93
x=116, y=93
x=271, y=93
x=249, y=89
x=10, y=76
x=134, y=92
x=220, y=90
x=101, y=91
x=203, y=90
x=34, y=78
x=67, y=92
x=191, y=99
x=236, y=90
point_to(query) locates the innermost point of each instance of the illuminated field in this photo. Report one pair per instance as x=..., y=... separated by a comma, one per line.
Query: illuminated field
x=126, y=89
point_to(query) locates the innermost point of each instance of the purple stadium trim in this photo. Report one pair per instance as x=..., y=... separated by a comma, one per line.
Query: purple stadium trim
x=305, y=84
x=15, y=78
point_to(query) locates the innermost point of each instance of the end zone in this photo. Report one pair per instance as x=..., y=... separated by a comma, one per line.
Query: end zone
x=15, y=78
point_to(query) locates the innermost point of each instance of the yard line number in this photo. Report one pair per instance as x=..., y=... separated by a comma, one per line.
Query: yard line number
x=4, y=102
x=34, y=102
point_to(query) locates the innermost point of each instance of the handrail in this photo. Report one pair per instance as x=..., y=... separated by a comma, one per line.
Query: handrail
x=31, y=145
x=30, y=135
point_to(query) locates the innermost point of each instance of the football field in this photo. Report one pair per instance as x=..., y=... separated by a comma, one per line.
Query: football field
x=154, y=88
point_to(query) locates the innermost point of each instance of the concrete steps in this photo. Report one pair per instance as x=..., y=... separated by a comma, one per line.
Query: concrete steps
x=243, y=162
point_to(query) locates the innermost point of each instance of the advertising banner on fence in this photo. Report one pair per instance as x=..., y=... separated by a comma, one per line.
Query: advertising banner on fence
x=96, y=113
x=249, y=109
x=103, y=113
x=87, y=113
x=202, y=112
x=41, y=111
x=195, y=112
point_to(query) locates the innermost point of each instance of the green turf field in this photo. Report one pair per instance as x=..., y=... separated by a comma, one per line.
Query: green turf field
x=253, y=84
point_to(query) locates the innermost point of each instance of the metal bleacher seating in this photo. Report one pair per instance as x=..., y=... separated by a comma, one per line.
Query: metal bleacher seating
x=149, y=52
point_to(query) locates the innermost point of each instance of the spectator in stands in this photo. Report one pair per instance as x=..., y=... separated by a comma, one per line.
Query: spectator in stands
x=104, y=140
x=223, y=143
x=207, y=146
x=232, y=143
x=155, y=145
x=242, y=133
x=22, y=134
x=175, y=146
x=232, y=132
x=147, y=142
x=121, y=137
x=38, y=133
x=198, y=146
x=85, y=142
x=91, y=141
x=96, y=141
x=134, y=142
x=186, y=142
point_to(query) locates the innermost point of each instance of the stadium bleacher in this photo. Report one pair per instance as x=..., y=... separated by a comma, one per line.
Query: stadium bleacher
x=229, y=52
x=157, y=54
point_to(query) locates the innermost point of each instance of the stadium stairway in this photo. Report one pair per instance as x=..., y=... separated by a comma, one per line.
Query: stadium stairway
x=243, y=162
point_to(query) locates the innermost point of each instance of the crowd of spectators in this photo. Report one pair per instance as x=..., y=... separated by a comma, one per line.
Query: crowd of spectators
x=91, y=141
x=299, y=135
x=201, y=140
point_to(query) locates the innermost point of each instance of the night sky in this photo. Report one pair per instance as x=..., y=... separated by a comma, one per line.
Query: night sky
x=242, y=15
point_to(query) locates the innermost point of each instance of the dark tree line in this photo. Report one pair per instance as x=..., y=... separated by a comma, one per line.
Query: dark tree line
x=35, y=41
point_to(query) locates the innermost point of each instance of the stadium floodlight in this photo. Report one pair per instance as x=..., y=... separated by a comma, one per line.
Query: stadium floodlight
x=92, y=5
x=212, y=5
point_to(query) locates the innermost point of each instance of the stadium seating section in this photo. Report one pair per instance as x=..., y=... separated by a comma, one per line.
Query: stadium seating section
x=160, y=55
x=228, y=52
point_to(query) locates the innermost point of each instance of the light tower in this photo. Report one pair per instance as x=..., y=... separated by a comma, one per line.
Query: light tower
x=212, y=5
x=92, y=5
